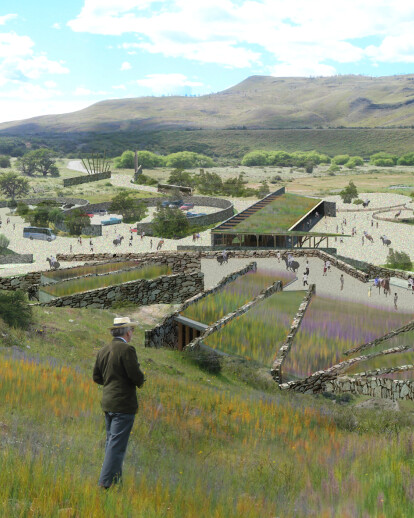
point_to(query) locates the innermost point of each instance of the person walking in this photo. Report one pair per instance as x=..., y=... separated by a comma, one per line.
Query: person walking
x=342, y=281
x=324, y=269
x=118, y=370
x=278, y=257
x=307, y=267
x=395, y=301
x=151, y=244
x=305, y=278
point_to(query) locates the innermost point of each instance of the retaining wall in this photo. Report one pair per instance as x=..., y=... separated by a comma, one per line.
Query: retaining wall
x=165, y=334
x=86, y=178
x=276, y=370
x=16, y=259
x=59, y=199
x=375, y=387
x=167, y=289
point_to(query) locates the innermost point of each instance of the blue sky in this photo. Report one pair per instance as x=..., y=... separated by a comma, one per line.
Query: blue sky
x=59, y=56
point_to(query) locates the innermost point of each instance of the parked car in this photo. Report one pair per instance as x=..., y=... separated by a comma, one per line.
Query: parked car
x=170, y=203
x=111, y=221
x=200, y=214
x=187, y=206
x=190, y=214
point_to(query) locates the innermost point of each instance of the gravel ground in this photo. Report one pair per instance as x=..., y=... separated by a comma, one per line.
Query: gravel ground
x=377, y=201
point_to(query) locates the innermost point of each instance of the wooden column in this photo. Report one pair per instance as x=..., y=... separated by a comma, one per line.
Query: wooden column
x=180, y=337
x=187, y=335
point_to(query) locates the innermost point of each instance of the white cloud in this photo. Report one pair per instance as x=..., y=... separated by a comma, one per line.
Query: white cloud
x=56, y=26
x=50, y=84
x=4, y=19
x=162, y=84
x=119, y=87
x=12, y=109
x=81, y=91
x=237, y=33
x=126, y=66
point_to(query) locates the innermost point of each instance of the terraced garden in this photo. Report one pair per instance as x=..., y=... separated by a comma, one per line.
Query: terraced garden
x=332, y=326
x=258, y=334
x=233, y=295
x=80, y=271
x=83, y=284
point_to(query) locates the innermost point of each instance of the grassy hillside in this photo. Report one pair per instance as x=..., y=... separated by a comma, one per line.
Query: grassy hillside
x=257, y=102
x=224, y=444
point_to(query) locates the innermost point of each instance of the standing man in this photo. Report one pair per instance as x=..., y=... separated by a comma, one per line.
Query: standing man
x=117, y=369
x=342, y=281
x=305, y=278
x=395, y=301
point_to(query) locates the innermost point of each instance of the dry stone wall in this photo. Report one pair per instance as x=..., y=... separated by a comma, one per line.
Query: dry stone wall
x=16, y=259
x=165, y=334
x=375, y=387
x=86, y=178
x=166, y=289
x=20, y=282
x=276, y=370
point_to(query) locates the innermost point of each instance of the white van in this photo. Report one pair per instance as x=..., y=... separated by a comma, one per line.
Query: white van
x=39, y=233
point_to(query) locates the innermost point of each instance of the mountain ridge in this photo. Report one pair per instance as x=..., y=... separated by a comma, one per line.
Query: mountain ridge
x=257, y=102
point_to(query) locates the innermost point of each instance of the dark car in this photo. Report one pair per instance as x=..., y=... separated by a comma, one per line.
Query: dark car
x=168, y=203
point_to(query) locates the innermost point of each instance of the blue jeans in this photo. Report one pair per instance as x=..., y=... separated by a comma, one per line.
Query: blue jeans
x=118, y=428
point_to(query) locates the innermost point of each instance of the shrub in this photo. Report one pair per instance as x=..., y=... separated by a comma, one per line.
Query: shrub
x=205, y=360
x=334, y=168
x=144, y=179
x=407, y=159
x=170, y=223
x=383, y=159
x=349, y=193
x=340, y=159
x=354, y=161
x=188, y=159
x=4, y=243
x=4, y=161
x=14, y=309
x=358, y=202
x=399, y=260
x=256, y=158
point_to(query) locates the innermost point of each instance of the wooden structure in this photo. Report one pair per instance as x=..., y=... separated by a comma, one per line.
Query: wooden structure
x=188, y=330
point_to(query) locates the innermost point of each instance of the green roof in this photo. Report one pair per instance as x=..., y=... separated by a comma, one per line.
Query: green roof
x=278, y=216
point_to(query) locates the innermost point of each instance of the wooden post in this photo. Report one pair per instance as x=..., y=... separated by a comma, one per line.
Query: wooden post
x=180, y=336
x=187, y=335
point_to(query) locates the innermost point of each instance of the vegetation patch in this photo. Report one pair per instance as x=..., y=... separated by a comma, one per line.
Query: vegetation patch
x=79, y=271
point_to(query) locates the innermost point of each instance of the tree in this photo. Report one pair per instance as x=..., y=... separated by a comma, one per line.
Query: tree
x=128, y=207
x=399, y=260
x=354, y=161
x=349, y=193
x=256, y=158
x=169, y=222
x=209, y=183
x=340, y=159
x=187, y=159
x=383, y=159
x=13, y=185
x=263, y=190
x=38, y=160
x=181, y=177
x=75, y=220
x=125, y=161
x=309, y=167
x=4, y=161
x=407, y=159
x=14, y=309
x=4, y=243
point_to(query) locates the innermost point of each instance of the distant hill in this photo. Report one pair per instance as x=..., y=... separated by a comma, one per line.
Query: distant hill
x=259, y=102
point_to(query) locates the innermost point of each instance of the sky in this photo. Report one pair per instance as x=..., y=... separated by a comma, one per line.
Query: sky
x=58, y=56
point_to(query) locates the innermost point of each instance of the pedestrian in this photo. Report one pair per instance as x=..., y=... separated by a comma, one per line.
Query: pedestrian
x=194, y=237
x=151, y=244
x=14, y=226
x=369, y=291
x=117, y=369
x=198, y=236
x=90, y=242
x=80, y=240
x=307, y=267
x=372, y=223
x=142, y=234
x=328, y=265
x=342, y=281
x=130, y=240
x=395, y=301
x=305, y=278
x=278, y=257
x=70, y=249
x=377, y=224
x=362, y=240
x=324, y=269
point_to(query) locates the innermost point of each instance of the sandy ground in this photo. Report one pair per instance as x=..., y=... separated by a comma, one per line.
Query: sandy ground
x=329, y=285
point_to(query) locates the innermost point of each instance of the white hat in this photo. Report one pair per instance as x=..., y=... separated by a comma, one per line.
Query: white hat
x=123, y=322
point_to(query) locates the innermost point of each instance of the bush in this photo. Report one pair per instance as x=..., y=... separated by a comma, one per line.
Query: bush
x=358, y=202
x=144, y=179
x=170, y=223
x=349, y=193
x=14, y=309
x=383, y=159
x=407, y=159
x=4, y=243
x=256, y=158
x=354, y=161
x=398, y=260
x=4, y=161
x=205, y=360
x=340, y=159
x=188, y=159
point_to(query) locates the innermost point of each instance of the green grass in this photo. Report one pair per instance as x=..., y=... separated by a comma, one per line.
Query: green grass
x=78, y=271
x=279, y=215
x=202, y=445
x=92, y=283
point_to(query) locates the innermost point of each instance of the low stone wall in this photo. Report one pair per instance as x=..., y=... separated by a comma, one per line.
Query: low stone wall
x=177, y=262
x=86, y=178
x=165, y=334
x=166, y=188
x=375, y=387
x=60, y=200
x=20, y=282
x=167, y=289
x=16, y=259
x=276, y=370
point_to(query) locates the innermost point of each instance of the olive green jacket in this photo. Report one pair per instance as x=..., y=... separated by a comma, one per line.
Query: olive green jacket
x=117, y=369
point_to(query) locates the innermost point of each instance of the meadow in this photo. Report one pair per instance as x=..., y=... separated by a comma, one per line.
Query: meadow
x=102, y=281
x=78, y=271
x=258, y=334
x=234, y=294
x=224, y=445
x=332, y=326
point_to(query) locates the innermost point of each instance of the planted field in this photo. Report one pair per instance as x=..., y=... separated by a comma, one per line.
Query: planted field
x=393, y=360
x=79, y=271
x=330, y=327
x=278, y=216
x=213, y=307
x=258, y=334
x=92, y=283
